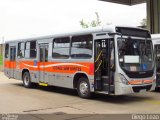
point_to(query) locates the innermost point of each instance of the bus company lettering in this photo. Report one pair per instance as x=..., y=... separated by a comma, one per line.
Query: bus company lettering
x=71, y=68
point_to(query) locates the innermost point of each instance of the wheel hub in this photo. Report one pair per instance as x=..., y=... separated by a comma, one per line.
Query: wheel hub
x=83, y=88
x=26, y=80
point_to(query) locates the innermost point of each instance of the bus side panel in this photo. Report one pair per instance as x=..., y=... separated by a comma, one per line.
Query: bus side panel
x=6, y=68
x=10, y=68
x=66, y=80
x=57, y=73
x=62, y=74
x=34, y=76
x=18, y=74
x=31, y=67
x=62, y=80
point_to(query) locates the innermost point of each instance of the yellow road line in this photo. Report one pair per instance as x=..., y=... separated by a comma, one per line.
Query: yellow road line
x=153, y=102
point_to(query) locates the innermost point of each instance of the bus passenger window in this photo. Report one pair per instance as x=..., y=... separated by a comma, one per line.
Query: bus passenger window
x=61, y=48
x=81, y=46
x=30, y=49
x=6, y=50
x=21, y=50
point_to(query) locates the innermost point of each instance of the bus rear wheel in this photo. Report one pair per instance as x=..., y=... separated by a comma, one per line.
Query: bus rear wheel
x=83, y=88
x=27, y=80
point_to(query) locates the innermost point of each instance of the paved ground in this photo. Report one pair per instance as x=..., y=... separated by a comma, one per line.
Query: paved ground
x=1, y=68
x=14, y=98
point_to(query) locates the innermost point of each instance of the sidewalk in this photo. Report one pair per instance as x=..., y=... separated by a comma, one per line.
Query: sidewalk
x=1, y=68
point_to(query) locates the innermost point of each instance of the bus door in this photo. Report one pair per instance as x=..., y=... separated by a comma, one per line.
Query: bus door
x=12, y=61
x=104, y=65
x=43, y=57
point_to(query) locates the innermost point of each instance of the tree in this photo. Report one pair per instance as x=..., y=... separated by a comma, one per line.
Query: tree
x=83, y=24
x=144, y=22
x=93, y=23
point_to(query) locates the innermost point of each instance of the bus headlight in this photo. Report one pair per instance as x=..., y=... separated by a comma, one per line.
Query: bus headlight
x=123, y=79
x=155, y=77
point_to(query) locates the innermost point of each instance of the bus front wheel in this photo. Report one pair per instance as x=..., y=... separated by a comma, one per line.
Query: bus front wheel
x=83, y=88
x=27, y=80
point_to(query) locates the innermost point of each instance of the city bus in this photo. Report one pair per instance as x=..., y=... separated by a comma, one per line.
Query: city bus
x=156, y=44
x=107, y=60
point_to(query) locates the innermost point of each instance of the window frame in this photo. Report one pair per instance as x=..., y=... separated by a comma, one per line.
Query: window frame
x=75, y=47
x=6, y=51
x=61, y=47
x=21, y=50
x=30, y=49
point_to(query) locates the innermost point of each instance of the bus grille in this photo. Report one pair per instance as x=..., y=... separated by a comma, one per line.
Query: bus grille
x=138, y=88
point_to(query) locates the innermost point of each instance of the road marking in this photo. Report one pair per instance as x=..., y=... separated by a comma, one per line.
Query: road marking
x=153, y=102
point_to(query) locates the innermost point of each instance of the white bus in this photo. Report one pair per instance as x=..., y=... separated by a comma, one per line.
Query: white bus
x=156, y=43
x=109, y=60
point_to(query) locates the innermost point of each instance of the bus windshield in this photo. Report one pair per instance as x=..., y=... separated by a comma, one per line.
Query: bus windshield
x=135, y=55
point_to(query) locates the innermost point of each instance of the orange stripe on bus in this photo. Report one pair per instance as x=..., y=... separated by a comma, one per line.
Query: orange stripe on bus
x=9, y=64
x=58, y=67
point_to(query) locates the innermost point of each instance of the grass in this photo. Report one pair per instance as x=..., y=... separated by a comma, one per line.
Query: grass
x=1, y=60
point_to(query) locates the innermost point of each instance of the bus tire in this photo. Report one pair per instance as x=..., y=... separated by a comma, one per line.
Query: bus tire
x=27, y=80
x=83, y=88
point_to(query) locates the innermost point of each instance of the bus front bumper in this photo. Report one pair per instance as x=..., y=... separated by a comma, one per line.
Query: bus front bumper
x=123, y=89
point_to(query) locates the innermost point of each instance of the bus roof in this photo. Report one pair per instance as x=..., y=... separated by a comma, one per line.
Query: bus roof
x=107, y=28
x=155, y=36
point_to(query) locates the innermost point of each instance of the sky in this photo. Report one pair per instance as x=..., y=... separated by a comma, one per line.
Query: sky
x=27, y=18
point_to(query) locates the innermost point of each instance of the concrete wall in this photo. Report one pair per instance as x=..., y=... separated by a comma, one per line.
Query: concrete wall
x=153, y=12
x=153, y=16
x=127, y=2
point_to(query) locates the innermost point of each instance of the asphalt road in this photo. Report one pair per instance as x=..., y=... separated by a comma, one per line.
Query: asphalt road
x=14, y=98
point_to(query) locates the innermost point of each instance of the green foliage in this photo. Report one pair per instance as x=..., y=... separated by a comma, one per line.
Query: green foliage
x=83, y=24
x=144, y=22
x=1, y=60
x=93, y=23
